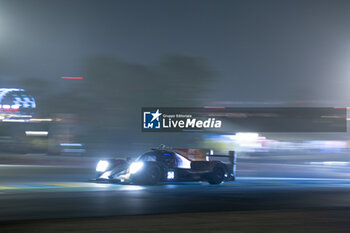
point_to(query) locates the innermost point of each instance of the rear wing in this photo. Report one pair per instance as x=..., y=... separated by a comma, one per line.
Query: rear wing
x=231, y=157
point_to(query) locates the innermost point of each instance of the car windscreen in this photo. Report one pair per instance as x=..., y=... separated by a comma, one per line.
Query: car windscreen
x=147, y=157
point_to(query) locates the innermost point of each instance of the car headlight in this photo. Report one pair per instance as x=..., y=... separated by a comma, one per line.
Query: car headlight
x=135, y=167
x=102, y=166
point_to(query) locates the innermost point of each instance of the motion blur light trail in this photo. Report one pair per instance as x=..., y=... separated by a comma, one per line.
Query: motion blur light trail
x=74, y=78
x=244, y=181
x=43, y=186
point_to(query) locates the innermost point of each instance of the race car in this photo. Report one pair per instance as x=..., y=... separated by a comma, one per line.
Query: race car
x=163, y=165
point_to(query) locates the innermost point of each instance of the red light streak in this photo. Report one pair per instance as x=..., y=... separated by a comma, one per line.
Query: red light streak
x=214, y=107
x=341, y=107
x=76, y=78
x=9, y=109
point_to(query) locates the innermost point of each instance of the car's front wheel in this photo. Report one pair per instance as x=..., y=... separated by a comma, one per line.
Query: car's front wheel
x=153, y=175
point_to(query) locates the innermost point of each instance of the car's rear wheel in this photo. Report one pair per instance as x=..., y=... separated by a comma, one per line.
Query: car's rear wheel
x=217, y=176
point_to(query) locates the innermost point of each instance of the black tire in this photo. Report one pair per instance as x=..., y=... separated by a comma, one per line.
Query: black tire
x=153, y=175
x=217, y=176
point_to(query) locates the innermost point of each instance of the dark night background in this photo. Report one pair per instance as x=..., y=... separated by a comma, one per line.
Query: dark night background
x=175, y=54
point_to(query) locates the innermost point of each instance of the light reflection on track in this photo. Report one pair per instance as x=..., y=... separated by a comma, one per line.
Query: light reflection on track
x=243, y=182
x=83, y=199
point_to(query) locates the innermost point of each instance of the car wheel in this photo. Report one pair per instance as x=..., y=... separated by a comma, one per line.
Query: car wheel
x=217, y=176
x=153, y=175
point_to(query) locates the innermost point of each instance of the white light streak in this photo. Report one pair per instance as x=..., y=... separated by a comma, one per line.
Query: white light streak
x=37, y=133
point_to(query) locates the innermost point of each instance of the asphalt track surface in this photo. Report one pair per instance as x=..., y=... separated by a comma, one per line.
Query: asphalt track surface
x=41, y=192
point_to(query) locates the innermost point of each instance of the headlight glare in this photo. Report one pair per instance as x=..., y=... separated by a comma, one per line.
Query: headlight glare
x=135, y=167
x=102, y=166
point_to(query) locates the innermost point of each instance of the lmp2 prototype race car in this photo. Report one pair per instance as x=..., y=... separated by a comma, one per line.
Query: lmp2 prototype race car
x=163, y=165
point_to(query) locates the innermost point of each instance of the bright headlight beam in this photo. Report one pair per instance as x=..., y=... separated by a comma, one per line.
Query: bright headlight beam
x=135, y=167
x=102, y=166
